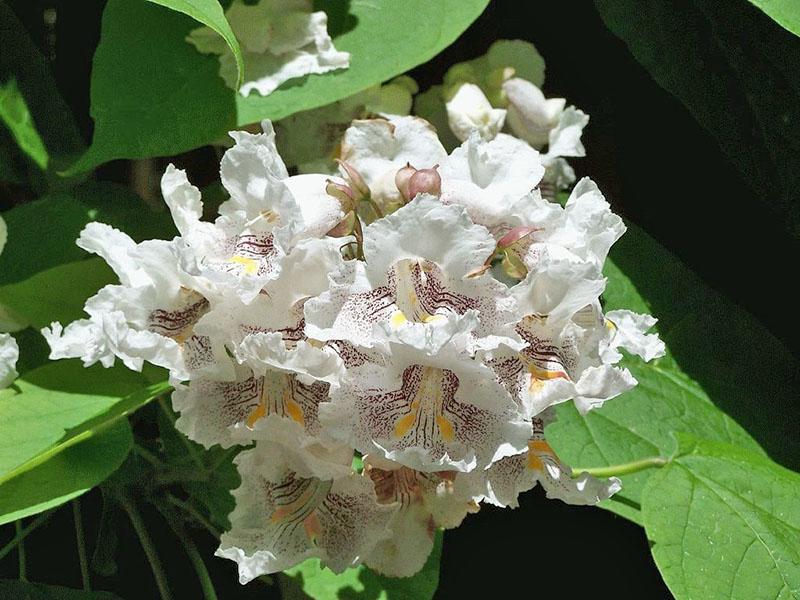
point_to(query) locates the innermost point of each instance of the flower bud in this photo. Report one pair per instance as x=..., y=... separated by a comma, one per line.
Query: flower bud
x=515, y=235
x=345, y=226
x=355, y=180
x=425, y=181
x=343, y=193
x=402, y=179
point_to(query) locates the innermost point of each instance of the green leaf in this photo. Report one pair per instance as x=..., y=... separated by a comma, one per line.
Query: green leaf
x=46, y=414
x=23, y=590
x=31, y=71
x=724, y=523
x=737, y=73
x=210, y=13
x=42, y=233
x=153, y=116
x=784, y=12
x=16, y=116
x=57, y=294
x=310, y=580
x=67, y=475
x=715, y=349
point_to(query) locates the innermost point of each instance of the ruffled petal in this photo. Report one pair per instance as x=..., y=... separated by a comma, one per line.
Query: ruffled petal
x=9, y=353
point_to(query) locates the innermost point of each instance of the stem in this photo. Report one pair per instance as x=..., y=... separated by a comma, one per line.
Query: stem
x=80, y=539
x=206, y=585
x=375, y=208
x=23, y=570
x=148, y=547
x=194, y=513
x=22, y=534
x=623, y=469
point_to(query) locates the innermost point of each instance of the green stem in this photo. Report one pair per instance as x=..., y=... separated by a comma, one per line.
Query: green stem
x=148, y=547
x=22, y=534
x=192, y=512
x=623, y=469
x=23, y=562
x=80, y=540
x=203, y=577
x=375, y=208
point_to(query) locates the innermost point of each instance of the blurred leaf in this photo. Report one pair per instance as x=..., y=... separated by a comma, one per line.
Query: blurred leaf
x=737, y=73
x=42, y=233
x=210, y=13
x=67, y=475
x=724, y=523
x=23, y=590
x=57, y=294
x=784, y=12
x=22, y=61
x=716, y=350
x=16, y=116
x=153, y=117
x=310, y=580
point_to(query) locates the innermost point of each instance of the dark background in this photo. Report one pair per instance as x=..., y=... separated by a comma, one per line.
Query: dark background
x=658, y=167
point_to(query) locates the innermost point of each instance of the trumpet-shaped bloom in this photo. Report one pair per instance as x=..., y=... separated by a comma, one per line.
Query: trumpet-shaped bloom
x=417, y=262
x=426, y=502
x=508, y=478
x=280, y=40
x=427, y=411
x=294, y=506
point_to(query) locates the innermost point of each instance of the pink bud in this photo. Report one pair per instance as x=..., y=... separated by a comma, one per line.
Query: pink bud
x=425, y=181
x=345, y=226
x=354, y=178
x=515, y=235
x=402, y=178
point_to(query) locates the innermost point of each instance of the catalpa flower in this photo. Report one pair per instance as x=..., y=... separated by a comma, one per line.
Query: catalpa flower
x=505, y=480
x=294, y=506
x=426, y=502
x=9, y=354
x=280, y=40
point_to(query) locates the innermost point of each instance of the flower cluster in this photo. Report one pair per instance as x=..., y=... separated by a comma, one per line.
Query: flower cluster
x=422, y=311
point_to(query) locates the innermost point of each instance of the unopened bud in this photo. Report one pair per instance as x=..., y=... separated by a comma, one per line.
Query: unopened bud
x=345, y=226
x=515, y=235
x=425, y=181
x=402, y=179
x=513, y=266
x=343, y=193
x=354, y=178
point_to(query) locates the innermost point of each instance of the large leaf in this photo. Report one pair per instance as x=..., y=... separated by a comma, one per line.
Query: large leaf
x=737, y=73
x=23, y=590
x=56, y=294
x=784, y=12
x=42, y=234
x=210, y=13
x=714, y=351
x=49, y=414
x=67, y=475
x=725, y=523
x=174, y=99
x=309, y=580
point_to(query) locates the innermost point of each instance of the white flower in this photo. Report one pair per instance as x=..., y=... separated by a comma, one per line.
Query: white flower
x=531, y=116
x=508, y=478
x=294, y=506
x=280, y=40
x=469, y=110
x=9, y=353
x=427, y=411
x=629, y=331
x=427, y=502
x=415, y=273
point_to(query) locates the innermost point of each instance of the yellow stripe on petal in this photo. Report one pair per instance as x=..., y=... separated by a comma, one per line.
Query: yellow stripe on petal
x=294, y=411
x=398, y=319
x=404, y=424
x=446, y=428
x=312, y=527
x=259, y=412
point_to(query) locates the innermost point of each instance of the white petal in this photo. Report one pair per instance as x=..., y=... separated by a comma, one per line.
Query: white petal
x=565, y=137
x=182, y=198
x=469, y=110
x=630, y=333
x=530, y=115
x=9, y=353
